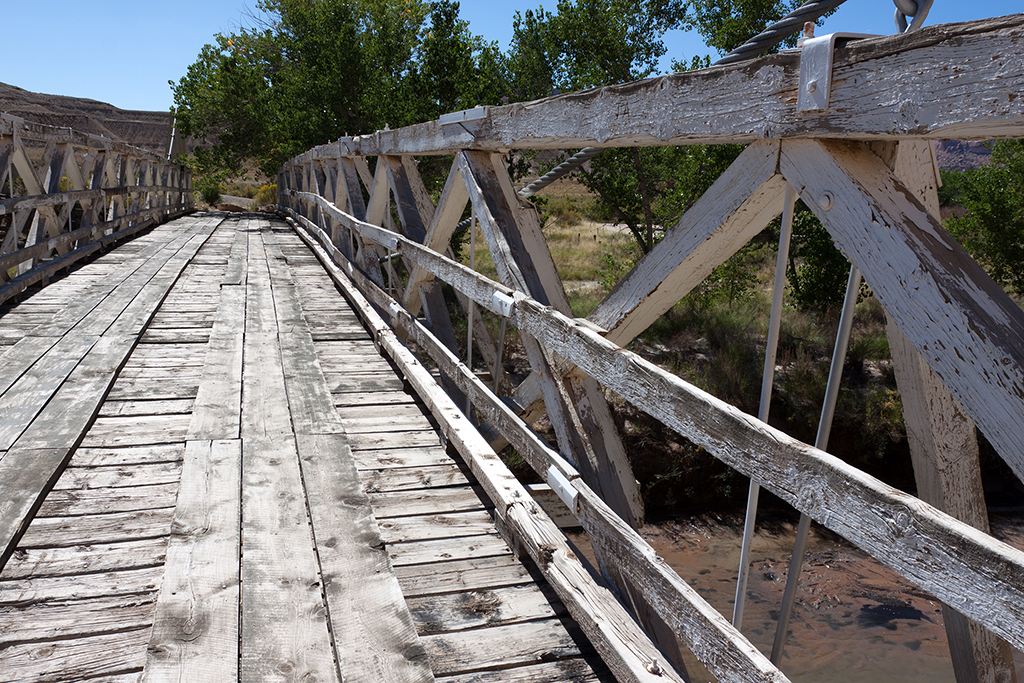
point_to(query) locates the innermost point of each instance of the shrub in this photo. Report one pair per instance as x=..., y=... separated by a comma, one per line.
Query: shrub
x=267, y=194
x=209, y=189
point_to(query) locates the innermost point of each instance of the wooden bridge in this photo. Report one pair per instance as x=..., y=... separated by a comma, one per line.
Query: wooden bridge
x=222, y=459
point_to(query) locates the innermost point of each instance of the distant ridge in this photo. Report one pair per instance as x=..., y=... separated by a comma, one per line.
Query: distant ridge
x=150, y=130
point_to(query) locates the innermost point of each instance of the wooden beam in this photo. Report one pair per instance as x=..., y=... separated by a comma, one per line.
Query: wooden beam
x=956, y=81
x=714, y=641
x=195, y=628
x=944, y=448
x=578, y=410
x=968, y=330
x=622, y=644
x=955, y=562
x=739, y=205
x=744, y=199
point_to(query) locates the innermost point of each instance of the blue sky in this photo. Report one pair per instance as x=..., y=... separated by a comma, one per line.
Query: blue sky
x=124, y=51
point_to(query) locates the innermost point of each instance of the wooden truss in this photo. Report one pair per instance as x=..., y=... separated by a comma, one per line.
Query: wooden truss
x=68, y=194
x=864, y=167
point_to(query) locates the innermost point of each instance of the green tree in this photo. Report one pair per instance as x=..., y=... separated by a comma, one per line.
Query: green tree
x=311, y=72
x=726, y=24
x=992, y=230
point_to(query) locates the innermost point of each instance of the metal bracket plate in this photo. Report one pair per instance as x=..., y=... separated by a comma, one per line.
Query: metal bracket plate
x=464, y=116
x=816, y=57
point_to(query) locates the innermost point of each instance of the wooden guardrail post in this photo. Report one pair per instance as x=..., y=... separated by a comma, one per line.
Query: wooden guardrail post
x=944, y=449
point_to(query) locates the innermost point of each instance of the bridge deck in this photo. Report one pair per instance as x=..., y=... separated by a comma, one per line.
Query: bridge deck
x=216, y=427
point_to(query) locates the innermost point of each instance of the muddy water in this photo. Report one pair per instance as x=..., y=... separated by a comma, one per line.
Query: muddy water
x=855, y=620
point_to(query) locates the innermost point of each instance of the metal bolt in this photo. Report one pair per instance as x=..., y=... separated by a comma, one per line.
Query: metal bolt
x=825, y=201
x=812, y=86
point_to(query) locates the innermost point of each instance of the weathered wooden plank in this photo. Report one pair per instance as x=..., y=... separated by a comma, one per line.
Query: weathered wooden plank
x=394, y=440
x=92, y=457
x=440, y=550
x=370, y=411
x=876, y=94
x=367, y=383
x=103, y=476
x=25, y=476
x=460, y=576
x=178, y=406
x=32, y=563
x=427, y=501
x=309, y=397
x=442, y=525
x=356, y=569
x=385, y=424
x=176, y=336
x=59, y=620
x=195, y=626
x=500, y=647
x=135, y=430
x=126, y=582
x=183, y=373
x=339, y=334
x=422, y=456
x=399, y=479
x=21, y=356
x=217, y=411
x=283, y=623
x=51, y=532
x=78, y=658
x=30, y=393
x=64, y=503
x=141, y=390
x=578, y=670
x=480, y=609
x=374, y=398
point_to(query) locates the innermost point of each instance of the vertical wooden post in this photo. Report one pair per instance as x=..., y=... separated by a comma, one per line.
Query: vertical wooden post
x=944, y=450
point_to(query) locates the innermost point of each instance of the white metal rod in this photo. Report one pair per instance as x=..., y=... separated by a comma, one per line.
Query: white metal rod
x=472, y=304
x=835, y=375
x=767, y=379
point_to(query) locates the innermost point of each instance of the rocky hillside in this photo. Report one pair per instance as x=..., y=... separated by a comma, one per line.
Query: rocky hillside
x=147, y=129
x=962, y=154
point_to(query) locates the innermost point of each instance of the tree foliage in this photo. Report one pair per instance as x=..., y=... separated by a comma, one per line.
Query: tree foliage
x=311, y=72
x=992, y=230
x=726, y=24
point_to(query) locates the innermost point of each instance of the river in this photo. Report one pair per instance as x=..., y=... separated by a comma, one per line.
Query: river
x=855, y=621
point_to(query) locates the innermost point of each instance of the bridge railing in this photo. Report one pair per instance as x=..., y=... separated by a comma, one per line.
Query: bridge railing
x=863, y=164
x=64, y=195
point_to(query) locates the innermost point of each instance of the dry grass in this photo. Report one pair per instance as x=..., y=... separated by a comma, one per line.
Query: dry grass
x=579, y=252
